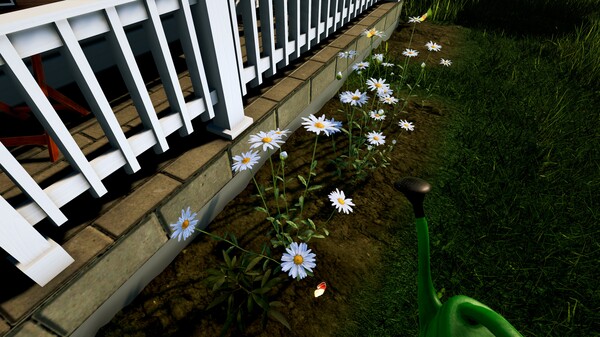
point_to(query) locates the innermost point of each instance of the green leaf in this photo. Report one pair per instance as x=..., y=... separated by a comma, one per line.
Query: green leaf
x=261, y=209
x=302, y=180
x=261, y=291
x=218, y=300
x=266, y=277
x=260, y=301
x=276, y=315
x=313, y=165
x=326, y=231
x=318, y=236
x=292, y=224
x=227, y=259
x=315, y=187
x=253, y=263
x=250, y=304
x=218, y=282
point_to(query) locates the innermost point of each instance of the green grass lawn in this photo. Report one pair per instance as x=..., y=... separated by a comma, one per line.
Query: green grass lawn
x=515, y=209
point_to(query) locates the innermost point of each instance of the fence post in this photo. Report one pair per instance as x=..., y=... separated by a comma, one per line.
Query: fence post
x=215, y=27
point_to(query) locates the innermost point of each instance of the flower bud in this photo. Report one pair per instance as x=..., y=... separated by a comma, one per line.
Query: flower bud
x=283, y=155
x=339, y=75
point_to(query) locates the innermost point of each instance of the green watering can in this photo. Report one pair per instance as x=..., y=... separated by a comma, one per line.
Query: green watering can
x=460, y=316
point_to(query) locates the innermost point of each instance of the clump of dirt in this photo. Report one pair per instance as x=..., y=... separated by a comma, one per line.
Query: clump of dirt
x=174, y=303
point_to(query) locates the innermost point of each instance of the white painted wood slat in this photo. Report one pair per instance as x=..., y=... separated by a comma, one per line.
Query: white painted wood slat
x=47, y=116
x=193, y=58
x=21, y=178
x=86, y=79
x=267, y=27
x=133, y=78
x=166, y=67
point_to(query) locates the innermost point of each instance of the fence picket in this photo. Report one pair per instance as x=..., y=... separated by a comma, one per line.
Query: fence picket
x=86, y=79
x=47, y=116
x=133, y=78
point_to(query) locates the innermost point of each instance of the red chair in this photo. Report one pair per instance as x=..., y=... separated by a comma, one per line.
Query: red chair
x=60, y=102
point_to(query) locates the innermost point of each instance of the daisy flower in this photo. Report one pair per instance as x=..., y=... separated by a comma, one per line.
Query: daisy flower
x=388, y=100
x=317, y=125
x=245, y=161
x=360, y=66
x=378, y=58
x=376, y=138
x=268, y=140
x=446, y=63
x=408, y=126
x=385, y=92
x=185, y=225
x=378, y=115
x=375, y=85
x=410, y=52
x=369, y=33
x=432, y=46
x=339, y=200
x=335, y=126
x=354, y=98
x=281, y=133
x=414, y=19
x=297, y=260
x=387, y=64
x=349, y=54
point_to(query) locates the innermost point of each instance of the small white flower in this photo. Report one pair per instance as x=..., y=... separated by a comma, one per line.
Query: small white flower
x=369, y=33
x=446, y=63
x=354, y=98
x=394, y=142
x=376, y=138
x=387, y=64
x=281, y=133
x=432, y=46
x=350, y=54
x=369, y=147
x=297, y=260
x=378, y=58
x=360, y=66
x=318, y=125
x=385, y=92
x=268, y=140
x=378, y=115
x=410, y=53
x=335, y=126
x=339, y=201
x=406, y=125
x=414, y=19
x=388, y=100
x=375, y=85
x=245, y=161
x=185, y=225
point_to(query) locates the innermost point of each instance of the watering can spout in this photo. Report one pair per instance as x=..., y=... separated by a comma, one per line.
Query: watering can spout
x=414, y=189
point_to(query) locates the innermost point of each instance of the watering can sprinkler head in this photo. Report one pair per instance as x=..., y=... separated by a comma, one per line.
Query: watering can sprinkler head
x=414, y=189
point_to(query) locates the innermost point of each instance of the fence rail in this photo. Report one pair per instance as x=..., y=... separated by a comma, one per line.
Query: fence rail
x=275, y=32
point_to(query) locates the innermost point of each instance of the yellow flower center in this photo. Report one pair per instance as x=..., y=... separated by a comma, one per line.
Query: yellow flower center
x=376, y=137
x=246, y=160
x=185, y=223
x=298, y=259
x=355, y=98
x=378, y=85
x=267, y=140
x=377, y=115
x=319, y=125
x=341, y=201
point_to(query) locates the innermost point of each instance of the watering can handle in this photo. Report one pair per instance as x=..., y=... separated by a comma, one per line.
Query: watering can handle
x=414, y=189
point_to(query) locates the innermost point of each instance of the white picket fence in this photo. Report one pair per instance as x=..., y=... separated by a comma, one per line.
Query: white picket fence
x=209, y=34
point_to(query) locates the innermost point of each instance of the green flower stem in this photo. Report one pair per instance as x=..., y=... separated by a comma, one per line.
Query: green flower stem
x=287, y=211
x=309, y=175
x=261, y=195
x=330, y=216
x=274, y=185
x=235, y=245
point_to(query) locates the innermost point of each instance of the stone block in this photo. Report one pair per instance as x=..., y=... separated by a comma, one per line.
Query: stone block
x=132, y=208
x=199, y=190
x=306, y=70
x=69, y=309
x=326, y=54
x=193, y=160
x=282, y=89
x=83, y=247
x=323, y=79
x=30, y=329
x=289, y=110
